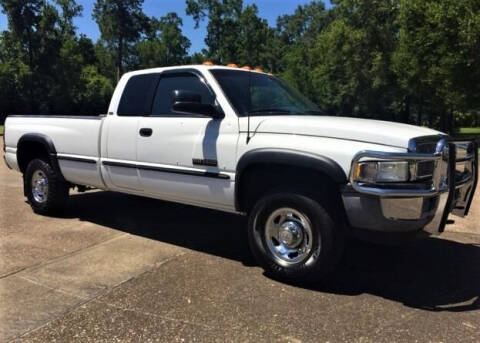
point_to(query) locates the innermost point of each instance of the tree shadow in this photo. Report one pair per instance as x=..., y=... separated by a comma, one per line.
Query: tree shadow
x=432, y=274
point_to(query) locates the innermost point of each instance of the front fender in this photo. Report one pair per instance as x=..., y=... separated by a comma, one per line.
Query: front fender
x=288, y=157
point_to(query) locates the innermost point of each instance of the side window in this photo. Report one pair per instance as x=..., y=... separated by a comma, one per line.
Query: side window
x=181, y=81
x=138, y=95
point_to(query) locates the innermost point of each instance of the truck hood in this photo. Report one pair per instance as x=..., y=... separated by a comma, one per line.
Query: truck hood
x=365, y=130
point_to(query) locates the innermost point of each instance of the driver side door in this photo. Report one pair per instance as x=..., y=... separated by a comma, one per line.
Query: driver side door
x=184, y=156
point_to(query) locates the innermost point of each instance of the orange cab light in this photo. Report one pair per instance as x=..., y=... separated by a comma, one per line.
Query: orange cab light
x=208, y=63
x=247, y=68
x=260, y=70
x=232, y=65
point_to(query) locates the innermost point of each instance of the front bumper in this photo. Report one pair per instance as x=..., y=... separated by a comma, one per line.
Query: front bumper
x=403, y=210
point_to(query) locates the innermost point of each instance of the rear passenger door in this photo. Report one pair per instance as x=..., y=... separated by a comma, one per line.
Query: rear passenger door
x=182, y=157
x=121, y=133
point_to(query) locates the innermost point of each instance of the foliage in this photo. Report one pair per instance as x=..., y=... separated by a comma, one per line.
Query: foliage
x=235, y=34
x=437, y=56
x=164, y=45
x=403, y=60
x=121, y=24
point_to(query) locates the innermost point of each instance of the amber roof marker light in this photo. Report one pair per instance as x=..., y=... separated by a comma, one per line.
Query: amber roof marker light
x=232, y=65
x=247, y=67
x=258, y=69
x=208, y=63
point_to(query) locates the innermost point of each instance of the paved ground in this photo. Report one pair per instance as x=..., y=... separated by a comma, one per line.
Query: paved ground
x=123, y=268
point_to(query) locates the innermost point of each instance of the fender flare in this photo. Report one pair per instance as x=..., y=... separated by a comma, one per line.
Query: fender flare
x=288, y=157
x=47, y=143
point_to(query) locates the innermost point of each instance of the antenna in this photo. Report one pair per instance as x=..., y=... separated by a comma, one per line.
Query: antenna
x=248, y=128
x=249, y=105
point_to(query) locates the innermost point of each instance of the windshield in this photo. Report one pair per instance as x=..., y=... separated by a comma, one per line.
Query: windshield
x=262, y=94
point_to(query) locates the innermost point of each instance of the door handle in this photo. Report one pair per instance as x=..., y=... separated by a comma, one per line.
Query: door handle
x=146, y=132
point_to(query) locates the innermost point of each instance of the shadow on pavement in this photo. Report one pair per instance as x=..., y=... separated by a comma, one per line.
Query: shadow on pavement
x=432, y=274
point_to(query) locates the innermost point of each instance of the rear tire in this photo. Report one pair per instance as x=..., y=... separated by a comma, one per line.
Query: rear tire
x=294, y=238
x=47, y=193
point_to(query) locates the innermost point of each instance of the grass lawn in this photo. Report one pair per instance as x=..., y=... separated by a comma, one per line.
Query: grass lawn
x=470, y=131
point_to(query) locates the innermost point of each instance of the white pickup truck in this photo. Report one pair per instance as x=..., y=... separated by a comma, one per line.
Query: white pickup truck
x=243, y=141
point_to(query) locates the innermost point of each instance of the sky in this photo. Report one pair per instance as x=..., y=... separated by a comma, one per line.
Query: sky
x=268, y=9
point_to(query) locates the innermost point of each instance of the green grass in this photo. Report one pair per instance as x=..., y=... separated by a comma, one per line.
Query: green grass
x=469, y=131
x=1, y=129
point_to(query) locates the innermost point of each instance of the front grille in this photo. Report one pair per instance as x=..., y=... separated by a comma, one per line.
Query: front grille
x=427, y=147
x=425, y=169
x=425, y=144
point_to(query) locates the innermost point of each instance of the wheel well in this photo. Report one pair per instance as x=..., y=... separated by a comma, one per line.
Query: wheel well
x=28, y=151
x=259, y=179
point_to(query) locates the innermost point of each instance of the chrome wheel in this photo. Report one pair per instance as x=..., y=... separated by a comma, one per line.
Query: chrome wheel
x=39, y=186
x=288, y=235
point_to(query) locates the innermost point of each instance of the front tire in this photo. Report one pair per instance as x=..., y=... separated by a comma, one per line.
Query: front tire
x=294, y=238
x=47, y=193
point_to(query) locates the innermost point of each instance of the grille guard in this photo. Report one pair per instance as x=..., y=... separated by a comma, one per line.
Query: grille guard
x=452, y=196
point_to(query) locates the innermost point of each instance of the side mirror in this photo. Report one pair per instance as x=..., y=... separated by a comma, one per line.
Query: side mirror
x=191, y=102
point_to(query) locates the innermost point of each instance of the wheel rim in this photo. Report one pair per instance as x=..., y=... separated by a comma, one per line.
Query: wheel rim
x=288, y=235
x=39, y=186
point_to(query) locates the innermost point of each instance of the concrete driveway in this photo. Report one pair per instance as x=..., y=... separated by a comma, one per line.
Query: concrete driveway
x=120, y=268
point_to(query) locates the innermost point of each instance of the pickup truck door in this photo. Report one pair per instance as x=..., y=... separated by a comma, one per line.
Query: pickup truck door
x=186, y=157
x=119, y=146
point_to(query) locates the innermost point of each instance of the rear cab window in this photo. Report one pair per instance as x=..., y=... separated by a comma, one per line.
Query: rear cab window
x=138, y=95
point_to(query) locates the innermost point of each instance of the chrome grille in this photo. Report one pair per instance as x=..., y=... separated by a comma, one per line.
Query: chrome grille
x=427, y=147
x=425, y=169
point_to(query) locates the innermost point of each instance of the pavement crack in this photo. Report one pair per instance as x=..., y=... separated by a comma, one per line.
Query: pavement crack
x=155, y=315
x=86, y=301
x=59, y=290
x=62, y=257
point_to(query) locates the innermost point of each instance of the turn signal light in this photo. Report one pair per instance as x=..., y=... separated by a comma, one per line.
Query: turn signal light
x=208, y=63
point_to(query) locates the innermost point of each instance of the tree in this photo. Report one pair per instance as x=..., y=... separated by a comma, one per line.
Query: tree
x=351, y=60
x=235, y=34
x=295, y=36
x=223, y=26
x=69, y=10
x=164, y=44
x=253, y=38
x=304, y=24
x=23, y=20
x=437, y=58
x=42, y=60
x=121, y=24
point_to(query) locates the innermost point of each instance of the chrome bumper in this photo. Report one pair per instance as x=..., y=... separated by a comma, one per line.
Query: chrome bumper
x=451, y=190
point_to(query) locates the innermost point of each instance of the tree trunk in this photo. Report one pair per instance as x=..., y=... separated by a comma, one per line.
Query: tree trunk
x=406, y=112
x=450, y=122
x=420, y=112
x=119, y=58
x=31, y=66
x=443, y=121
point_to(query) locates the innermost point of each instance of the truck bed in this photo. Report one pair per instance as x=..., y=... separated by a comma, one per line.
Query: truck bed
x=75, y=138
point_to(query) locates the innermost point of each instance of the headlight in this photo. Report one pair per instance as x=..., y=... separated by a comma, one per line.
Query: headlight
x=382, y=171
